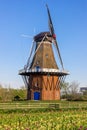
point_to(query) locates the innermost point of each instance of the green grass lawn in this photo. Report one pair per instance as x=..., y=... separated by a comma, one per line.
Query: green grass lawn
x=42, y=104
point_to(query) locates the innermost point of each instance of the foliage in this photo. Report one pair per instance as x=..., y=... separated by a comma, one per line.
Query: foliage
x=85, y=92
x=48, y=120
x=16, y=98
x=8, y=94
x=84, y=97
x=70, y=92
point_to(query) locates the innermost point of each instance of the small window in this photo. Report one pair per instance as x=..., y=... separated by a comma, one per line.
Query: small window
x=46, y=55
x=37, y=68
x=37, y=62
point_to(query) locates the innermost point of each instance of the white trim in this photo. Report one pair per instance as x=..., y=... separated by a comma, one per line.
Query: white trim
x=44, y=70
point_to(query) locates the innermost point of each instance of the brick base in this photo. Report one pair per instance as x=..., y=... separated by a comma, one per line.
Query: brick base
x=47, y=86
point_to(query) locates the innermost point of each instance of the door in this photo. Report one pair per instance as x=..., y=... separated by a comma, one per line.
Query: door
x=36, y=95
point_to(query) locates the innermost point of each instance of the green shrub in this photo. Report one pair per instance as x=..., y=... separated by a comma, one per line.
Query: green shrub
x=16, y=98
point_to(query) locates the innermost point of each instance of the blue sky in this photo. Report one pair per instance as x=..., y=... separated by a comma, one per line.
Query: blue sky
x=30, y=17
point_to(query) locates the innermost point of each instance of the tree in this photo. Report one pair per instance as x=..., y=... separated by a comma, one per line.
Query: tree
x=64, y=87
x=73, y=88
x=73, y=91
x=8, y=93
x=70, y=90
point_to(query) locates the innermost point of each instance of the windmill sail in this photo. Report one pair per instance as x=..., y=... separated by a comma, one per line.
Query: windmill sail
x=54, y=36
x=50, y=22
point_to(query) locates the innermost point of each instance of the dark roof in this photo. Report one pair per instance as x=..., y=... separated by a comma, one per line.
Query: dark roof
x=83, y=89
x=41, y=35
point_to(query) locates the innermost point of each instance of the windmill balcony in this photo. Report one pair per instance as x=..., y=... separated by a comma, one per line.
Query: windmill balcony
x=44, y=71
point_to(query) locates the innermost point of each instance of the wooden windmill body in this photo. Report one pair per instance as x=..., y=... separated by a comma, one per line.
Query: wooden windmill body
x=41, y=75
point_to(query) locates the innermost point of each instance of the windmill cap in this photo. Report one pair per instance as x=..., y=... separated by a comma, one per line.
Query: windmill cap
x=39, y=37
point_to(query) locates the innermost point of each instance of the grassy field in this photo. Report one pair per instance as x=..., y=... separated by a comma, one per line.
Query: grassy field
x=42, y=104
x=20, y=116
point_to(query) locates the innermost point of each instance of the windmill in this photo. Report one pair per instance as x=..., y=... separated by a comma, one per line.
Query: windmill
x=41, y=74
